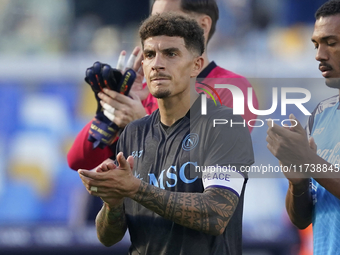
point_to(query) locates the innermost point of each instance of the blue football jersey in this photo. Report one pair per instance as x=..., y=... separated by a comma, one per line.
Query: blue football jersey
x=323, y=126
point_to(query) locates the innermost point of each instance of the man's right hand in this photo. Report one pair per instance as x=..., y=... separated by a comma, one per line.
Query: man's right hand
x=114, y=81
x=137, y=87
x=110, y=182
x=296, y=178
x=134, y=62
x=121, y=109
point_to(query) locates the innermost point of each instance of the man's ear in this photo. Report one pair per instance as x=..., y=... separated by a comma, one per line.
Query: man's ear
x=197, y=67
x=205, y=22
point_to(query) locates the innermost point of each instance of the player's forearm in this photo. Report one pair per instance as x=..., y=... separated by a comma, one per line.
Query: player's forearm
x=111, y=224
x=208, y=212
x=299, y=204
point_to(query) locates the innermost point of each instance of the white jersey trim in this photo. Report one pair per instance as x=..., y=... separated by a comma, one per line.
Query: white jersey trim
x=229, y=180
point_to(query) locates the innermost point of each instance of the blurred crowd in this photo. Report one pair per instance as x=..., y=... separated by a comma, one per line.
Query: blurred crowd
x=39, y=27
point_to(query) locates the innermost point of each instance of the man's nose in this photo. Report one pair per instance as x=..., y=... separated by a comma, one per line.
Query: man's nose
x=158, y=63
x=322, y=53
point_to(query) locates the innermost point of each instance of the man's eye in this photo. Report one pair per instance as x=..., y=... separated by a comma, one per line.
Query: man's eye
x=172, y=54
x=149, y=55
x=331, y=43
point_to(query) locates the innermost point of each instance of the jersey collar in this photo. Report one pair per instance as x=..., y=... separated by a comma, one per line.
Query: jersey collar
x=205, y=72
x=195, y=108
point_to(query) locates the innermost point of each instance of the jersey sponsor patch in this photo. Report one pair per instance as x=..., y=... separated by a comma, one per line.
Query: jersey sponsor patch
x=231, y=180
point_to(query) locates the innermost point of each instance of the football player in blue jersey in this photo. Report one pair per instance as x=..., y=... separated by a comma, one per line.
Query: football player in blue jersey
x=157, y=193
x=314, y=189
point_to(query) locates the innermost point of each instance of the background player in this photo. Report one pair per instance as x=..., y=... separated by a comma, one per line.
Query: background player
x=172, y=211
x=314, y=195
x=205, y=12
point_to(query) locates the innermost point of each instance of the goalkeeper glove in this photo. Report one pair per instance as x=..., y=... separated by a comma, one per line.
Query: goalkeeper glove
x=100, y=76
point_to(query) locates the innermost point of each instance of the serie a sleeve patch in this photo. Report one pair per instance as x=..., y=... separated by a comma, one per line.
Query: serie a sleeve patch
x=231, y=180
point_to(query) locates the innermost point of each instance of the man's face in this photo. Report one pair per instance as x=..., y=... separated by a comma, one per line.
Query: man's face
x=326, y=38
x=168, y=66
x=161, y=6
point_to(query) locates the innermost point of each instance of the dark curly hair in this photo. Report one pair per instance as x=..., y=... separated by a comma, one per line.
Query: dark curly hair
x=329, y=8
x=207, y=7
x=174, y=25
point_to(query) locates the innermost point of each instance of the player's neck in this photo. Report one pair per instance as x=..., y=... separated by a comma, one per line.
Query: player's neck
x=206, y=60
x=173, y=108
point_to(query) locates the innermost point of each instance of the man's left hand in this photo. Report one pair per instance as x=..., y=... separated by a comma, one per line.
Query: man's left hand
x=289, y=144
x=111, y=182
x=121, y=109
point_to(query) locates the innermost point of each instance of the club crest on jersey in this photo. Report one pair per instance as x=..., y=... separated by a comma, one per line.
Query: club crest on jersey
x=190, y=141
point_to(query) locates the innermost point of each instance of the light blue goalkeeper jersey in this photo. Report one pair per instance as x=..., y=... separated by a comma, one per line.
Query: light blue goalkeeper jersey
x=324, y=126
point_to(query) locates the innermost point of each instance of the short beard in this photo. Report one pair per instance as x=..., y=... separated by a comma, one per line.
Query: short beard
x=333, y=83
x=162, y=94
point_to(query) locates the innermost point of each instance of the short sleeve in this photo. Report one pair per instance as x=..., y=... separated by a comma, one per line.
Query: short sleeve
x=228, y=149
